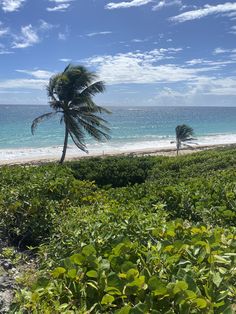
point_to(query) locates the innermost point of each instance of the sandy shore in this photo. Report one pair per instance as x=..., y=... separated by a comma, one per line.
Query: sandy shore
x=170, y=152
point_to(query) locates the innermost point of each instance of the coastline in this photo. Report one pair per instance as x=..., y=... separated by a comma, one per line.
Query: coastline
x=167, y=151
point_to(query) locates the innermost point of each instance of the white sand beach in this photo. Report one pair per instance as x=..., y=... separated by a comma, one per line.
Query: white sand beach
x=41, y=156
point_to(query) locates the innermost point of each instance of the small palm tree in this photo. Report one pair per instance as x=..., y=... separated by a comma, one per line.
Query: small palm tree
x=183, y=133
x=70, y=95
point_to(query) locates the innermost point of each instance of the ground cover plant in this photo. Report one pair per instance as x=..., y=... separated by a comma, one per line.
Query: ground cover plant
x=154, y=235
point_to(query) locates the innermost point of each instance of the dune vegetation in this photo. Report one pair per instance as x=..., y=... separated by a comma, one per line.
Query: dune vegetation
x=123, y=234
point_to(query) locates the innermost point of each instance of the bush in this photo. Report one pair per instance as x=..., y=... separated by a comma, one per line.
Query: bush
x=32, y=197
x=113, y=171
x=181, y=269
x=123, y=248
x=203, y=163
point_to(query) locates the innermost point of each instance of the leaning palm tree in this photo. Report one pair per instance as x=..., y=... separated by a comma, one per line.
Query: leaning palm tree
x=70, y=96
x=183, y=133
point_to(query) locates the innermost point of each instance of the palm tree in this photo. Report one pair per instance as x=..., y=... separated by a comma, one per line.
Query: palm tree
x=183, y=133
x=70, y=95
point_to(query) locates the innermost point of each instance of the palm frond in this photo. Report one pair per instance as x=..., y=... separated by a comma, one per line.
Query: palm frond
x=90, y=118
x=86, y=104
x=76, y=132
x=51, y=87
x=183, y=132
x=67, y=68
x=94, y=131
x=93, y=89
x=79, y=77
x=188, y=139
x=41, y=118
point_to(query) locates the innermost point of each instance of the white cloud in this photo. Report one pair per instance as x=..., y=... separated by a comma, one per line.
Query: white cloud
x=127, y=4
x=59, y=8
x=24, y=84
x=65, y=60
x=5, y=52
x=27, y=38
x=139, y=40
x=166, y=3
x=30, y=35
x=227, y=7
x=14, y=92
x=64, y=35
x=60, y=1
x=219, y=51
x=98, y=33
x=45, y=26
x=192, y=91
x=39, y=74
x=4, y=31
x=11, y=5
x=195, y=61
x=213, y=86
x=223, y=51
x=233, y=30
x=215, y=64
x=145, y=68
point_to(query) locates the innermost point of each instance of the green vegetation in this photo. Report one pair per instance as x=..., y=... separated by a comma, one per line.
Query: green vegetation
x=70, y=96
x=125, y=234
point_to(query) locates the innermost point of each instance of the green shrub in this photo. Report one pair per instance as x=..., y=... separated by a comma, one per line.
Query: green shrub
x=122, y=248
x=32, y=197
x=209, y=199
x=113, y=171
x=181, y=269
x=203, y=163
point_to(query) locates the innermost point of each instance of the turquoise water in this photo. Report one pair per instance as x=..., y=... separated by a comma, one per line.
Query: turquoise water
x=131, y=128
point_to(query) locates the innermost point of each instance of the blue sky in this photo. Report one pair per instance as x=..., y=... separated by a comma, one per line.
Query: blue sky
x=149, y=52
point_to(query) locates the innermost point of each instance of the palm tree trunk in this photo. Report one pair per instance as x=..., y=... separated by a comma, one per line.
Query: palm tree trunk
x=178, y=147
x=64, y=146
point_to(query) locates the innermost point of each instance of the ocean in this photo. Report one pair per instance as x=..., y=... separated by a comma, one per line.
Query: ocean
x=132, y=129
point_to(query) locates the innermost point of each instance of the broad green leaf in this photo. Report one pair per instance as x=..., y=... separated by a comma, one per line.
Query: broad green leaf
x=158, y=287
x=77, y=259
x=161, y=291
x=107, y=299
x=89, y=250
x=72, y=273
x=58, y=271
x=217, y=279
x=154, y=283
x=124, y=310
x=171, y=233
x=201, y=303
x=138, y=282
x=180, y=286
x=92, y=274
x=132, y=273
x=190, y=294
x=114, y=281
